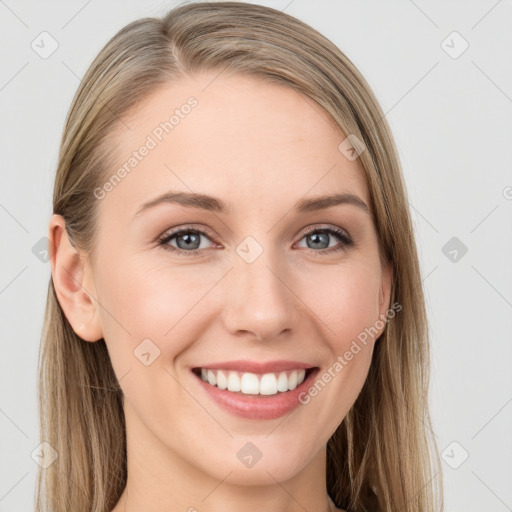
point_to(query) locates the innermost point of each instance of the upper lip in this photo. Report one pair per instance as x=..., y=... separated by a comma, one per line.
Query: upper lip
x=256, y=367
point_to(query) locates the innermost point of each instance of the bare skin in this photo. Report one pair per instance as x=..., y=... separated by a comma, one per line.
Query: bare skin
x=260, y=148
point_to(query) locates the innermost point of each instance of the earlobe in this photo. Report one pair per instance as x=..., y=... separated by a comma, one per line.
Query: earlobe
x=75, y=290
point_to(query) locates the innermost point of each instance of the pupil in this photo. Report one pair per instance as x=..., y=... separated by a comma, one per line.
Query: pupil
x=316, y=237
x=189, y=239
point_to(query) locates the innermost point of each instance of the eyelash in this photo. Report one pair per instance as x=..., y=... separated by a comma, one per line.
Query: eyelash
x=342, y=236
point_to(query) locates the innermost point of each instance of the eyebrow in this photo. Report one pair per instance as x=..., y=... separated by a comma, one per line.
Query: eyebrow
x=209, y=203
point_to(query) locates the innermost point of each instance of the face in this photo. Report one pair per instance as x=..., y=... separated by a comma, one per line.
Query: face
x=254, y=275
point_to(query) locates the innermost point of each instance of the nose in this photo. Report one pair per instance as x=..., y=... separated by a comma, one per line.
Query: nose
x=261, y=300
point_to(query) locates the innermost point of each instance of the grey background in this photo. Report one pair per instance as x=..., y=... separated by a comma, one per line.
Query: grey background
x=452, y=122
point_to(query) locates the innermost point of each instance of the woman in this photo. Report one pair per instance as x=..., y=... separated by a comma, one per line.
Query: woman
x=235, y=318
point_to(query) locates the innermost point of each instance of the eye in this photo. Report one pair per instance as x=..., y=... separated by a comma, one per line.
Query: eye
x=320, y=239
x=187, y=239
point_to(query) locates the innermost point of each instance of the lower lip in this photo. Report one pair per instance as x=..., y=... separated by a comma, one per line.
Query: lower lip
x=258, y=407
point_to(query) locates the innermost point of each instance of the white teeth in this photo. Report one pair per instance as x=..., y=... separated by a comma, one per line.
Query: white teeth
x=268, y=384
x=212, y=379
x=222, y=381
x=233, y=382
x=252, y=383
x=282, y=382
x=292, y=381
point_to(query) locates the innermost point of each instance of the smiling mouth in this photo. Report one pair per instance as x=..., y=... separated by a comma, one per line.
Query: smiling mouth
x=254, y=384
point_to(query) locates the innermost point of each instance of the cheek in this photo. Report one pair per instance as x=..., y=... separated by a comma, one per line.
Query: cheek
x=345, y=299
x=150, y=314
x=159, y=303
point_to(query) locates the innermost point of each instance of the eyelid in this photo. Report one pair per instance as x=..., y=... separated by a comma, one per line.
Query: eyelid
x=325, y=227
x=173, y=232
x=345, y=239
x=342, y=234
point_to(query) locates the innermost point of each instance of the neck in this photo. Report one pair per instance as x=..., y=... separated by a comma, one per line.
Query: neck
x=162, y=480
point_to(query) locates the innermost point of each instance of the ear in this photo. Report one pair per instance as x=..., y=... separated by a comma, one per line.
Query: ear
x=73, y=282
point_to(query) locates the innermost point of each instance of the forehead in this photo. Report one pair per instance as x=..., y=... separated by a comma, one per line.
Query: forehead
x=237, y=137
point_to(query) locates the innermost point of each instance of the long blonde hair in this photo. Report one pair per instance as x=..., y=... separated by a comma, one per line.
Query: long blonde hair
x=382, y=457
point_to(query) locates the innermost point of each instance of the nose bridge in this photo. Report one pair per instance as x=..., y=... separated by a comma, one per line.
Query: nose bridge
x=260, y=300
